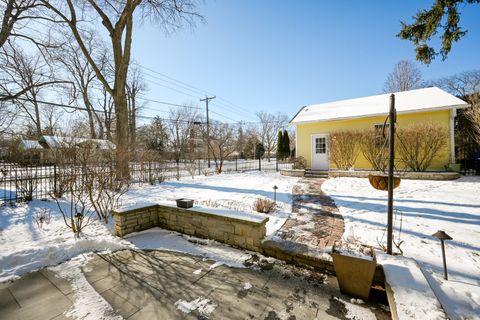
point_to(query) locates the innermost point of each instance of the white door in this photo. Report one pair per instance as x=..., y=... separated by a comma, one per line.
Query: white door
x=320, y=152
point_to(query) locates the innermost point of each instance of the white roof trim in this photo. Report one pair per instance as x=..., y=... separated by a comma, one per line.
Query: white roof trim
x=413, y=101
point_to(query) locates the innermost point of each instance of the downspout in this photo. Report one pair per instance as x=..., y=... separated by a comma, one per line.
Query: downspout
x=453, y=113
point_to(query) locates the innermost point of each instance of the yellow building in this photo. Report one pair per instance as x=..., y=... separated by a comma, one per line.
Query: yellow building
x=314, y=123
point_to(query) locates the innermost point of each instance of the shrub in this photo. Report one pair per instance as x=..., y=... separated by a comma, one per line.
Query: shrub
x=26, y=186
x=419, y=144
x=344, y=148
x=374, y=148
x=299, y=163
x=264, y=205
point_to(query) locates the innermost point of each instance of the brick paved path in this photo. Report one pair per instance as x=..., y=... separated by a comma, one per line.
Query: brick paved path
x=315, y=220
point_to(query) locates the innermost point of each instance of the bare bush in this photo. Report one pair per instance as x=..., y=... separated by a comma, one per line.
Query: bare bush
x=191, y=167
x=344, y=148
x=299, y=163
x=43, y=215
x=419, y=144
x=78, y=212
x=264, y=205
x=26, y=186
x=374, y=147
x=101, y=181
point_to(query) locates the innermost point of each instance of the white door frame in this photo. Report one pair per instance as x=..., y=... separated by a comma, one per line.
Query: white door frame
x=312, y=149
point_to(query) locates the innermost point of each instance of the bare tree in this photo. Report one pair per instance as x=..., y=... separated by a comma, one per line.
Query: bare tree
x=473, y=114
x=83, y=77
x=7, y=115
x=462, y=84
x=15, y=12
x=27, y=71
x=107, y=123
x=270, y=124
x=51, y=117
x=135, y=87
x=222, y=143
x=117, y=17
x=465, y=85
x=405, y=76
x=179, y=128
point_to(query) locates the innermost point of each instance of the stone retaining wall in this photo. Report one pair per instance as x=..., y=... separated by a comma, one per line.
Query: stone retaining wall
x=293, y=172
x=237, y=232
x=426, y=175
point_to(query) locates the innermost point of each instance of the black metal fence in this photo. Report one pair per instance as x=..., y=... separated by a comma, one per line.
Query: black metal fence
x=468, y=155
x=24, y=182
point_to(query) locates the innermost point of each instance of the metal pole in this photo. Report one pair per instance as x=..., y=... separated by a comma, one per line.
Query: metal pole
x=391, y=161
x=55, y=178
x=236, y=163
x=259, y=163
x=444, y=260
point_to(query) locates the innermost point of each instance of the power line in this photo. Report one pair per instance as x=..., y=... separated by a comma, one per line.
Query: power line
x=187, y=86
x=182, y=92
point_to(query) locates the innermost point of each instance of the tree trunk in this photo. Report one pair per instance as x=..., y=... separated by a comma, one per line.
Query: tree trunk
x=121, y=134
x=90, y=113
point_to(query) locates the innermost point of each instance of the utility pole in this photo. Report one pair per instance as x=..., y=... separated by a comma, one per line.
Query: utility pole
x=208, y=127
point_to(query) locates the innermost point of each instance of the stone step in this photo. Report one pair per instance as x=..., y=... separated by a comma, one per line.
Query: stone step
x=316, y=176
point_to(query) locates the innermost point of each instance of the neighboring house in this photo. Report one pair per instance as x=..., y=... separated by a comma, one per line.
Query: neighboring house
x=56, y=142
x=32, y=149
x=45, y=147
x=315, y=122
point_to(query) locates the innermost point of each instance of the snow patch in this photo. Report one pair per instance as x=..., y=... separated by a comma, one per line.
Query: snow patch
x=197, y=271
x=202, y=305
x=88, y=304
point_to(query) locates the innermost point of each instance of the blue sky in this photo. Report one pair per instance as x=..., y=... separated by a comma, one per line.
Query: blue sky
x=280, y=55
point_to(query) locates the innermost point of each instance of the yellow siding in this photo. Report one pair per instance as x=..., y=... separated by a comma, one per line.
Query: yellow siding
x=304, y=132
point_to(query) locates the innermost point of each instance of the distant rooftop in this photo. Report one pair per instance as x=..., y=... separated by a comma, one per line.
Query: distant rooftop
x=54, y=142
x=426, y=99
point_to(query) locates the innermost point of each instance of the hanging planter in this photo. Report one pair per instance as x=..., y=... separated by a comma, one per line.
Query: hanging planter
x=380, y=182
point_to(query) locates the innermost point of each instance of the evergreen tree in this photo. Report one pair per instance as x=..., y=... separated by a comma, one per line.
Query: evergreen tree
x=280, y=146
x=259, y=150
x=286, y=144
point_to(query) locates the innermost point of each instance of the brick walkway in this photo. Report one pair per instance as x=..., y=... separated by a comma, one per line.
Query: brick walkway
x=315, y=220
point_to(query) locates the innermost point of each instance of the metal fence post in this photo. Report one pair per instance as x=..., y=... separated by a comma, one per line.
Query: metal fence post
x=55, y=178
x=276, y=165
x=236, y=163
x=259, y=163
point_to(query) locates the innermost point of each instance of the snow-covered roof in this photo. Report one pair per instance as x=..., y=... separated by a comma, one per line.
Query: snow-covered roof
x=54, y=142
x=426, y=99
x=30, y=145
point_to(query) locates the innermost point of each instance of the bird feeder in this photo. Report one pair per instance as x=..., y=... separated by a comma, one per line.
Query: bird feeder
x=442, y=236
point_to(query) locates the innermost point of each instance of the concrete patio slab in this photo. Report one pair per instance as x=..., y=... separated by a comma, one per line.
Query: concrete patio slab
x=167, y=285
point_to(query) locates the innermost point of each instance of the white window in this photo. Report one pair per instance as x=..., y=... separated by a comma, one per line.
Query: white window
x=320, y=145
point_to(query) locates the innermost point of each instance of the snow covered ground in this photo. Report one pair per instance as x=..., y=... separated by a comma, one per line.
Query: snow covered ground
x=26, y=248
x=234, y=191
x=422, y=208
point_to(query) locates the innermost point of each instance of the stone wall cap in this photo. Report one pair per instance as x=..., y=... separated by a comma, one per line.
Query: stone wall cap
x=226, y=213
x=133, y=207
